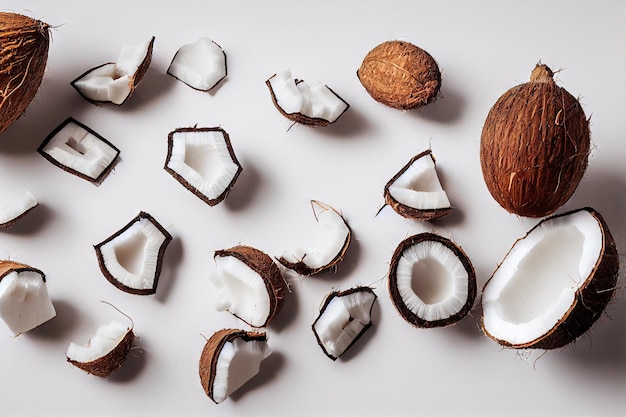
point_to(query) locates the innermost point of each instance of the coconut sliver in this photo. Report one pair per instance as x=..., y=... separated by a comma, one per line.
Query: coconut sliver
x=201, y=65
x=15, y=204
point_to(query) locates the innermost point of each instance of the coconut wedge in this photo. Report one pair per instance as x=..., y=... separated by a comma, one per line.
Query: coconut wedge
x=203, y=161
x=230, y=358
x=131, y=258
x=553, y=284
x=432, y=282
x=415, y=192
x=249, y=285
x=24, y=300
x=331, y=248
x=201, y=65
x=316, y=106
x=105, y=352
x=115, y=82
x=343, y=319
x=15, y=204
x=77, y=149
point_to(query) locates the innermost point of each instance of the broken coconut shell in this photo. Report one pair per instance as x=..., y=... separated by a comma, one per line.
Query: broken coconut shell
x=14, y=205
x=534, y=146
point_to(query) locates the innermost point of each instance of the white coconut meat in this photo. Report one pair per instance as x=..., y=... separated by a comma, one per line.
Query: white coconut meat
x=419, y=186
x=201, y=65
x=106, y=339
x=14, y=204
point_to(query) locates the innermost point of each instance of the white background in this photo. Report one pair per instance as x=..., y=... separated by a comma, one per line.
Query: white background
x=482, y=47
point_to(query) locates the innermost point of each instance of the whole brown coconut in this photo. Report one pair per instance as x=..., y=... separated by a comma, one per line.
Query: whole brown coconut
x=400, y=75
x=534, y=146
x=24, y=46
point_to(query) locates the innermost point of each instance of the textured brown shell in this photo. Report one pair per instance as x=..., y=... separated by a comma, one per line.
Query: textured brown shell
x=8, y=266
x=105, y=365
x=534, y=146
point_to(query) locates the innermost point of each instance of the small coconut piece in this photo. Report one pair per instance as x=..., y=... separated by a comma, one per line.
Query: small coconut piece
x=201, y=65
x=105, y=352
x=329, y=251
x=230, y=358
x=315, y=105
x=553, y=284
x=534, y=146
x=115, y=82
x=131, y=258
x=79, y=150
x=24, y=300
x=14, y=205
x=249, y=285
x=432, y=282
x=203, y=161
x=343, y=319
x=400, y=75
x=415, y=191
x=24, y=44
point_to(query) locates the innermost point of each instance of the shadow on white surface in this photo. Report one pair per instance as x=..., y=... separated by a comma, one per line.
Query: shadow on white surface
x=134, y=364
x=153, y=86
x=59, y=327
x=246, y=188
x=171, y=260
x=349, y=125
x=32, y=222
x=447, y=108
x=270, y=368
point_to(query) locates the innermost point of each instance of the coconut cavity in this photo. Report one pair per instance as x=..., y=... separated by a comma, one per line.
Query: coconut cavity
x=15, y=203
x=201, y=65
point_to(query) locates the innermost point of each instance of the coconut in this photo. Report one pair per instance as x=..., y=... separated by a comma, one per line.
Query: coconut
x=15, y=204
x=400, y=75
x=24, y=44
x=534, y=146
x=432, y=282
x=201, y=65
x=553, y=284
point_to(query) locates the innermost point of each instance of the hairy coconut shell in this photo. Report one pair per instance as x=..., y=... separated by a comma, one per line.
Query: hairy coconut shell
x=105, y=365
x=8, y=266
x=534, y=146
x=24, y=44
x=400, y=75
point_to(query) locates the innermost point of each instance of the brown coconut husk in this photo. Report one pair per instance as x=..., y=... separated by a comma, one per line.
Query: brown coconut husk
x=105, y=365
x=11, y=223
x=8, y=266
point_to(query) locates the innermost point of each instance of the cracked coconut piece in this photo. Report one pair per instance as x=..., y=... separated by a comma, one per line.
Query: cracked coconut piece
x=201, y=65
x=14, y=205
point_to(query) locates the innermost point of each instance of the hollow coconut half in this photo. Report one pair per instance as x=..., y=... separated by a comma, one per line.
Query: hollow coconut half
x=201, y=65
x=115, y=82
x=415, y=192
x=432, y=282
x=329, y=249
x=15, y=204
x=230, y=358
x=343, y=319
x=553, y=284
x=131, y=259
x=203, y=161
x=249, y=285
x=315, y=105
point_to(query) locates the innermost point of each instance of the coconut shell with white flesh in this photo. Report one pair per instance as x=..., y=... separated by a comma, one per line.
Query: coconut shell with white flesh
x=432, y=282
x=201, y=65
x=14, y=205
x=553, y=284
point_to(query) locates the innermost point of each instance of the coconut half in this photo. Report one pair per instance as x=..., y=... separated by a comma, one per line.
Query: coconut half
x=415, y=192
x=201, y=65
x=328, y=251
x=77, y=149
x=343, y=319
x=14, y=205
x=203, y=161
x=249, y=285
x=115, y=82
x=105, y=352
x=432, y=282
x=131, y=258
x=230, y=358
x=24, y=300
x=553, y=284
x=315, y=105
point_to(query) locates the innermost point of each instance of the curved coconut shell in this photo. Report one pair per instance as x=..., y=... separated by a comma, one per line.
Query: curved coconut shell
x=111, y=362
x=7, y=267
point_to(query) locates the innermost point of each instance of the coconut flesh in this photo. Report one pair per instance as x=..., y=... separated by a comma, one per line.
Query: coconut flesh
x=15, y=204
x=201, y=65
x=553, y=284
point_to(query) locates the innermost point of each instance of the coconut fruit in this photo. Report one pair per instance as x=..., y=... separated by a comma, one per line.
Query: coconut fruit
x=553, y=284
x=24, y=44
x=400, y=75
x=432, y=282
x=230, y=358
x=315, y=105
x=249, y=285
x=203, y=161
x=415, y=191
x=343, y=319
x=131, y=259
x=201, y=65
x=15, y=204
x=534, y=146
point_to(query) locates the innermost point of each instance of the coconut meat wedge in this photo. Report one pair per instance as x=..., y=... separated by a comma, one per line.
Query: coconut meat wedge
x=201, y=65
x=14, y=205
x=553, y=284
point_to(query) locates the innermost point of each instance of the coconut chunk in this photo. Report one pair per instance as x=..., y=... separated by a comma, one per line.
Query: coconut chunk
x=131, y=258
x=201, y=65
x=203, y=161
x=115, y=82
x=553, y=284
x=432, y=282
x=343, y=319
x=79, y=150
x=330, y=247
x=315, y=105
x=15, y=204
